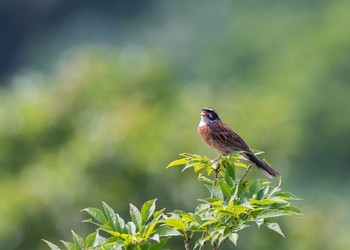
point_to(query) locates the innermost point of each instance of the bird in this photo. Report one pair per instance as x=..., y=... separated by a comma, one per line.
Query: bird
x=219, y=136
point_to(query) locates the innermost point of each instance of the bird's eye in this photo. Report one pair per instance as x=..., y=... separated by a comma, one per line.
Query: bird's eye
x=211, y=116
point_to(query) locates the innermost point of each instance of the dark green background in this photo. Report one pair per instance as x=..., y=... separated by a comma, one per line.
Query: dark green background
x=98, y=97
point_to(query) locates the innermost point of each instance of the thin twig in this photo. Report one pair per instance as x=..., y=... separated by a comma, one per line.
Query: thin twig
x=246, y=172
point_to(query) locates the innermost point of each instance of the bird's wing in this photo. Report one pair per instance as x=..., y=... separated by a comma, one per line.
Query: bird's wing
x=227, y=136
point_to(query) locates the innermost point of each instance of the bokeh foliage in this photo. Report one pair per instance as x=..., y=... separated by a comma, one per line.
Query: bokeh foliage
x=106, y=119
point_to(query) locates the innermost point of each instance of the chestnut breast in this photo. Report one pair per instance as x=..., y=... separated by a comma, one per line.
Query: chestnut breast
x=207, y=135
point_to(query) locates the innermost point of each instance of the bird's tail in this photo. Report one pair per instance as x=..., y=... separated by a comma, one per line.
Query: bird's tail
x=263, y=167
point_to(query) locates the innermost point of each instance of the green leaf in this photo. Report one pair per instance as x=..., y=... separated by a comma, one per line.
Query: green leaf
x=130, y=227
x=111, y=216
x=120, y=223
x=216, y=192
x=135, y=216
x=151, y=226
x=158, y=245
x=96, y=214
x=51, y=245
x=274, y=226
x=225, y=188
x=70, y=245
x=287, y=196
x=267, y=201
x=233, y=238
x=166, y=231
x=78, y=241
x=255, y=187
x=262, y=193
x=175, y=223
x=230, y=172
x=155, y=237
x=90, y=240
x=291, y=209
x=182, y=161
x=276, y=189
x=272, y=213
x=238, y=209
x=147, y=210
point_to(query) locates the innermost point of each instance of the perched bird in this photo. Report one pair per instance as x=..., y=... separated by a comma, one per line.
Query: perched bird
x=223, y=139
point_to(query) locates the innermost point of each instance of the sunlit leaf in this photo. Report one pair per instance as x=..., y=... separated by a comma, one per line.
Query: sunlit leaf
x=135, y=216
x=291, y=209
x=111, y=216
x=233, y=238
x=216, y=192
x=182, y=161
x=274, y=226
x=255, y=187
x=51, y=245
x=287, y=196
x=262, y=193
x=176, y=223
x=97, y=214
x=79, y=241
x=147, y=210
x=166, y=231
x=90, y=240
x=272, y=213
x=70, y=245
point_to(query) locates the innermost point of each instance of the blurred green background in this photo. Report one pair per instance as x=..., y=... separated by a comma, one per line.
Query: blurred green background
x=97, y=97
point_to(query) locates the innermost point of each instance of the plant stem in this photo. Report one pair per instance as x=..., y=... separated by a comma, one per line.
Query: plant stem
x=246, y=172
x=187, y=244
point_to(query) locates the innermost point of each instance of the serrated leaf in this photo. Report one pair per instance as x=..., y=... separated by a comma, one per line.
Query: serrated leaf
x=205, y=179
x=276, y=189
x=79, y=242
x=120, y=223
x=147, y=210
x=135, y=216
x=69, y=245
x=97, y=214
x=274, y=227
x=182, y=161
x=287, y=196
x=130, y=227
x=291, y=209
x=90, y=240
x=176, y=223
x=255, y=187
x=151, y=226
x=238, y=209
x=225, y=188
x=155, y=237
x=111, y=216
x=166, y=231
x=230, y=172
x=51, y=245
x=259, y=221
x=262, y=193
x=267, y=201
x=233, y=238
x=216, y=192
x=272, y=213
x=157, y=245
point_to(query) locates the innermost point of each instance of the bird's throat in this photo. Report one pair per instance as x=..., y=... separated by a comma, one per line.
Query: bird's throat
x=204, y=121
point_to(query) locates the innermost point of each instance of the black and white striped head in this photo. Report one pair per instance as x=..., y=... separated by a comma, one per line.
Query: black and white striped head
x=208, y=115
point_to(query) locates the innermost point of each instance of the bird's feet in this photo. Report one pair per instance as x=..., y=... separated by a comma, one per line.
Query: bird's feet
x=215, y=162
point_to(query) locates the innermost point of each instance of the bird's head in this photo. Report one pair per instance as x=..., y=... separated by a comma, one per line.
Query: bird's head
x=209, y=114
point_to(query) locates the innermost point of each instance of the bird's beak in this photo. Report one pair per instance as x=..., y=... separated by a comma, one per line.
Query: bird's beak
x=203, y=113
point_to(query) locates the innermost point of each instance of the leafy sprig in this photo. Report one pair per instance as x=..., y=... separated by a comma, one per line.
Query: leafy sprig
x=233, y=205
